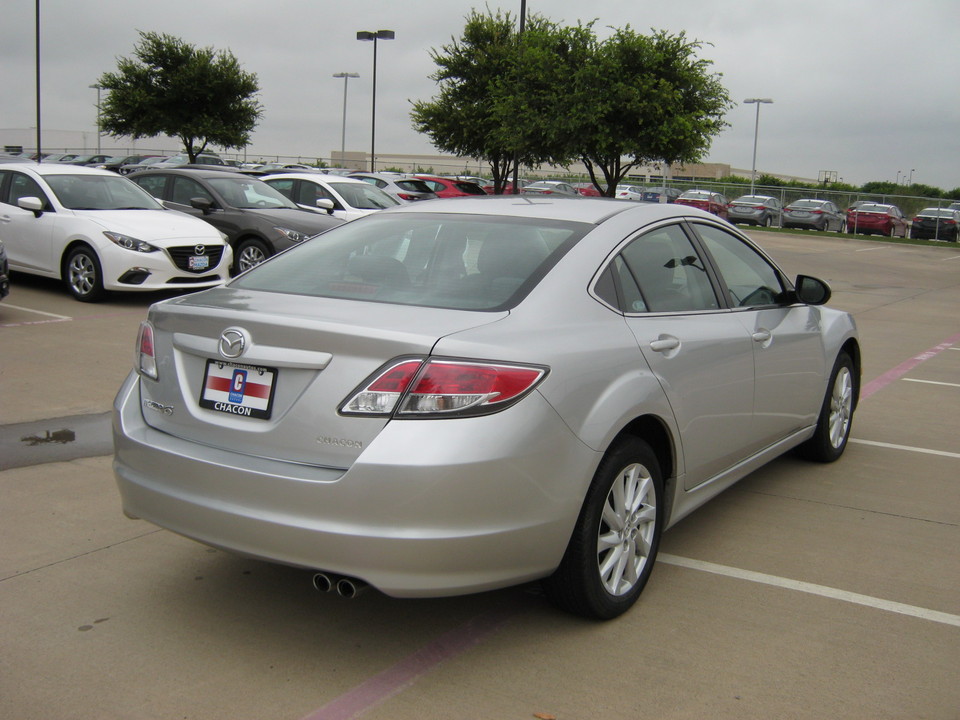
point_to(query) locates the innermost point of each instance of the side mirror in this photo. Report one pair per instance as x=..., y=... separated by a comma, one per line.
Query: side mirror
x=33, y=204
x=812, y=291
x=202, y=204
x=325, y=204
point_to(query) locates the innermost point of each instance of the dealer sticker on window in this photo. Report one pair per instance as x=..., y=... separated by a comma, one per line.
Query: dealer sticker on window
x=245, y=390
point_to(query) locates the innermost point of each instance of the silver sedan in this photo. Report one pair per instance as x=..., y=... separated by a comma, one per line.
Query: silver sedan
x=451, y=397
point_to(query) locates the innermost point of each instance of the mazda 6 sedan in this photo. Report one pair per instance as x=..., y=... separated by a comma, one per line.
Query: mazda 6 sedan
x=452, y=397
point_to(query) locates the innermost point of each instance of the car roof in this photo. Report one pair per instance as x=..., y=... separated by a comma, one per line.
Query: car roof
x=315, y=177
x=593, y=210
x=65, y=169
x=195, y=171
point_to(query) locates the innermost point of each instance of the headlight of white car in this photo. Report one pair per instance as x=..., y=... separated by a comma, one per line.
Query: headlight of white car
x=129, y=243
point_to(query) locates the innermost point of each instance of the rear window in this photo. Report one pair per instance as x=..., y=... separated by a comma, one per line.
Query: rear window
x=807, y=204
x=414, y=186
x=867, y=207
x=463, y=262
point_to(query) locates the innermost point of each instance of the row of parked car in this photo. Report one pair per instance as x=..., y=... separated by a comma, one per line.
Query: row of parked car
x=99, y=231
x=864, y=217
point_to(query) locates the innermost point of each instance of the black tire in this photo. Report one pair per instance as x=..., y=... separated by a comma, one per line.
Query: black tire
x=249, y=253
x=593, y=580
x=836, y=414
x=82, y=274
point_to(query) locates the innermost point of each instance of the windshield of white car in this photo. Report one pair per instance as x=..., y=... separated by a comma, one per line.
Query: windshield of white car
x=100, y=192
x=462, y=262
x=250, y=194
x=363, y=196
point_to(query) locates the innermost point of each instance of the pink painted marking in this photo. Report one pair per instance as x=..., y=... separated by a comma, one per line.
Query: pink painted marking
x=395, y=679
x=903, y=368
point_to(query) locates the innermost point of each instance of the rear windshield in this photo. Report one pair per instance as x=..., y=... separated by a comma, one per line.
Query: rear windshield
x=807, y=204
x=867, y=207
x=364, y=196
x=414, y=186
x=463, y=262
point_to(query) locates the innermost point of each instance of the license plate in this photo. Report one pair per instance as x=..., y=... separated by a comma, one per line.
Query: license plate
x=235, y=389
x=198, y=262
x=800, y=213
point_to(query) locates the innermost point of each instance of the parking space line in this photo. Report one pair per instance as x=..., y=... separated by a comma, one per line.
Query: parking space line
x=932, y=382
x=903, y=368
x=813, y=589
x=891, y=446
x=54, y=316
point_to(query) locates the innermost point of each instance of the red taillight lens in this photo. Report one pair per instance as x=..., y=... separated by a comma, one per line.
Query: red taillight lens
x=405, y=196
x=443, y=388
x=146, y=360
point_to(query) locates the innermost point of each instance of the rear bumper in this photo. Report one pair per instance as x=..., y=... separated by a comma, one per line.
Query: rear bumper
x=430, y=508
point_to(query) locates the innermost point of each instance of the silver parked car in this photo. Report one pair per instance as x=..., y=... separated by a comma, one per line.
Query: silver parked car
x=760, y=210
x=813, y=214
x=452, y=397
x=404, y=188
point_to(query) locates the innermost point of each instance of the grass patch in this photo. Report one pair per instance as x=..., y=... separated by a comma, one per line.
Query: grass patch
x=874, y=238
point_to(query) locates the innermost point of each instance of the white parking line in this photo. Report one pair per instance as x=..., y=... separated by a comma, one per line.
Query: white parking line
x=821, y=590
x=933, y=382
x=54, y=317
x=908, y=448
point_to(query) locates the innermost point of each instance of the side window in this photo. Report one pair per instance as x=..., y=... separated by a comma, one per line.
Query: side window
x=185, y=189
x=750, y=279
x=669, y=274
x=25, y=186
x=321, y=193
x=153, y=184
x=285, y=188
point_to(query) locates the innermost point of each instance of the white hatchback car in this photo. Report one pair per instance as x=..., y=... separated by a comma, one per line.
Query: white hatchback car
x=343, y=197
x=98, y=231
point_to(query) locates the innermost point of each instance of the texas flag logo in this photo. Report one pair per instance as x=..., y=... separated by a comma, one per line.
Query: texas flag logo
x=238, y=390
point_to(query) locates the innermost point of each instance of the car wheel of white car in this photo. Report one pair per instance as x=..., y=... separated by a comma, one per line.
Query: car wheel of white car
x=82, y=274
x=614, y=544
x=250, y=253
x=836, y=415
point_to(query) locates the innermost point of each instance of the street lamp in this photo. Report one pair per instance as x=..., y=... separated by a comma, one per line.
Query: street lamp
x=343, y=134
x=378, y=35
x=756, y=131
x=97, y=88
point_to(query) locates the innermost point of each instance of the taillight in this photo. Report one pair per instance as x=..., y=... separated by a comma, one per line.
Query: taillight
x=405, y=196
x=443, y=388
x=146, y=360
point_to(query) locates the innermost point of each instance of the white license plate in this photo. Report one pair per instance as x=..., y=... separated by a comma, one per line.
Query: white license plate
x=244, y=390
x=198, y=262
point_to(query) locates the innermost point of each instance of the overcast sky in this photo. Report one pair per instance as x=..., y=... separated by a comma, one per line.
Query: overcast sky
x=867, y=88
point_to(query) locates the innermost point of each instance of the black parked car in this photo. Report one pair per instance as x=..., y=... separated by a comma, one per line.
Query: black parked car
x=257, y=220
x=936, y=224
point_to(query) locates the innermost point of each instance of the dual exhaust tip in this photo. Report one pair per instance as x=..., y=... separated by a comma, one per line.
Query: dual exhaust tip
x=345, y=587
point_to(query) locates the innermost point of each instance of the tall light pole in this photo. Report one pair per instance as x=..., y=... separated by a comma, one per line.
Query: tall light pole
x=97, y=88
x=343, y=134
x=756, y=132
x=378, y=35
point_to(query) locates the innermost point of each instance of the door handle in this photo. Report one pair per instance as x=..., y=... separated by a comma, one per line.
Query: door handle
x=665, y=343
x=762, y=336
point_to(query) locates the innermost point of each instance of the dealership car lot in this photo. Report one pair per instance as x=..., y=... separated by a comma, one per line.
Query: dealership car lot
x=832, y=593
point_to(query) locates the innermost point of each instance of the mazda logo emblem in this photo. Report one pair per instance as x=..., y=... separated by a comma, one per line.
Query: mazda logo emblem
x=200, y=250
x=232, y=343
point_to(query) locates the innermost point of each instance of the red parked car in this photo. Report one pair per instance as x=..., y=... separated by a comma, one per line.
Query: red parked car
x=587, y=189
x=877, y=219
x=712, y=202
x=451, y=187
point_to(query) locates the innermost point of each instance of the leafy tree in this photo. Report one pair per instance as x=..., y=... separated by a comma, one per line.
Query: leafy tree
x=172, y=88
x=558, y=94
x=463, y=118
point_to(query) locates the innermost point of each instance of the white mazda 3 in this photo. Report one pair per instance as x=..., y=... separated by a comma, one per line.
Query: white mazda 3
x=461, y=395
x=98, y=231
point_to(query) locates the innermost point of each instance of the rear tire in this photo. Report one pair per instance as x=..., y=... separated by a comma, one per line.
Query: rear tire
x=836, y=415
x=614, y=544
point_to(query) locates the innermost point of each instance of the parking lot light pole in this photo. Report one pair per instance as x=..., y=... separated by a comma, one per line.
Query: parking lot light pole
x=97, y=88
x=378, y=35
x=756, y=132
x=343, y=133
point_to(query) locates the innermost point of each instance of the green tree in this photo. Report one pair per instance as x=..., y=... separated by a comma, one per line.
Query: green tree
x=557, y=94
x=172, y=88
x=463, y=118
